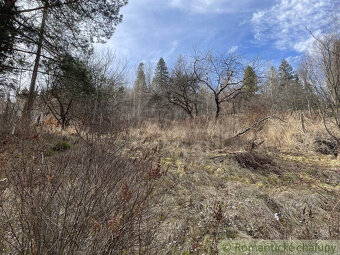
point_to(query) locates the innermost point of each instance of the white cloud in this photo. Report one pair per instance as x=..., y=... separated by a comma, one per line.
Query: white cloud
x=211, y=6
x=200, y=6
x=285, y=24
x=233, y=49
x=293, y=60
x=174, y=45
x=305, y=45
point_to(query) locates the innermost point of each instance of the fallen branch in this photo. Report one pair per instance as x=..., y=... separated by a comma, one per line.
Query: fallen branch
x=256, y=123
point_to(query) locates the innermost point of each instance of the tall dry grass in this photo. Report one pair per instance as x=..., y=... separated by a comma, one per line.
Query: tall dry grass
x=287, y=132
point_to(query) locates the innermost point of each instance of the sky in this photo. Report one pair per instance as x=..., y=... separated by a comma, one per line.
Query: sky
x=270, y=29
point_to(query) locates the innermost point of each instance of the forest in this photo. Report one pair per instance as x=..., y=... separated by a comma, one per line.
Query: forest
x=215, y=146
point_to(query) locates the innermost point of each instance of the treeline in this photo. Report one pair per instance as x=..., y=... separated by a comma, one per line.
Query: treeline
x=213, y=83
x=48, y=46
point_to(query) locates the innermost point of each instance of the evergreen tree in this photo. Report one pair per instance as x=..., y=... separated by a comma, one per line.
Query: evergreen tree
x=161, y=78
x=140, y=89
x=286, y=73
x=50, y=29
x=140, y=83
x=250, y=82
x=71, y=85
x=8, y=31
x=290, y=93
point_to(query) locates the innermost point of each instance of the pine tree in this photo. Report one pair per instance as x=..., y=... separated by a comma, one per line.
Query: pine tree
x=161, y=78
x=250, y=82
x=290, y=94
x=140, y=83
x=140, y=89
x=286, y=73
x=8, y=31
x=51, y=29
x=71, y=86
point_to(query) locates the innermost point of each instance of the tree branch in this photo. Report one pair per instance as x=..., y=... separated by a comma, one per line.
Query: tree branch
x=47, y=6
x=256, y=123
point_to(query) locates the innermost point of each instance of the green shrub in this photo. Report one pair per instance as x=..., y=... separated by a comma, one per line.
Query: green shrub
x=59, y=147
x=62, y=146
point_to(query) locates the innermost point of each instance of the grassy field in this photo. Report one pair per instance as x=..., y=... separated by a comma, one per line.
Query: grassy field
x=219, y=186
x=271, y=182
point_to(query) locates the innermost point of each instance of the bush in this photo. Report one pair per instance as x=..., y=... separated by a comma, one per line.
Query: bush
x=87, y=201
x=62, y=146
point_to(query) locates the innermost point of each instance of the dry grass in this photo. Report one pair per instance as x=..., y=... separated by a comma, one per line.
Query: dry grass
x=209, y=134
x=217, y=186
x=209, y=169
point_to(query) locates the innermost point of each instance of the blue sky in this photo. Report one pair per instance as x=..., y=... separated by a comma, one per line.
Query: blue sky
x=271, y=29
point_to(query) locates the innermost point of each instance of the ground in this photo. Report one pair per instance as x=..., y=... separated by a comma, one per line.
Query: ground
x=269, y=183
x=217, y=189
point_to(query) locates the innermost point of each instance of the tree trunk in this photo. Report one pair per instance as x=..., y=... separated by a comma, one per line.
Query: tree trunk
x=62, y=115
x=218, y=107
x=196, y=109
x=5, y=118
x=31, y=97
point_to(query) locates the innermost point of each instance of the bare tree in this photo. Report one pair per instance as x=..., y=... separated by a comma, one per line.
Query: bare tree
x=184, y=88
x=322, y=70
x=221, y=75
x=109, y=76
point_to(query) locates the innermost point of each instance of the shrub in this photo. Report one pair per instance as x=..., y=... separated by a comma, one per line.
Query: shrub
x=62, y=146
x=86, y=201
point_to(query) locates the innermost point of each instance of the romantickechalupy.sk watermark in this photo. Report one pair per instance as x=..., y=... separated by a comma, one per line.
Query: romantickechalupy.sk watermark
x=280, y=247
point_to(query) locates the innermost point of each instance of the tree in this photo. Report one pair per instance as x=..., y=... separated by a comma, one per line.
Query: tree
x=70, y=85
x=285, y=73
x=309, y=92
x=161, y=77
x=290, y=93
x=157, y=102
x=250, y=82
x=140, y=88
x=183, y=88
x=50, y=28
x=322, y=71
x=8, y=32
x=221, y=75
x=99, y=113
x=140, y=83
x=272, y=82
